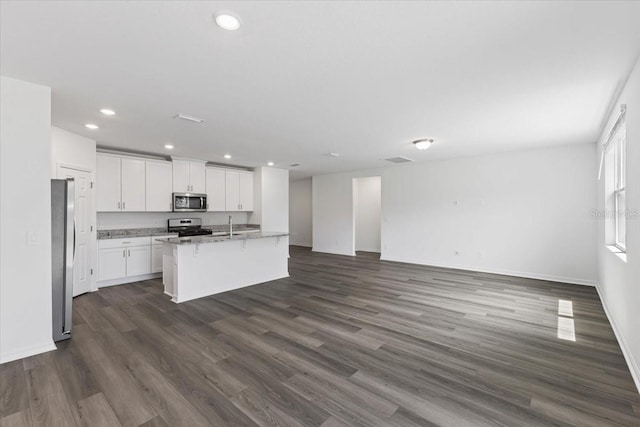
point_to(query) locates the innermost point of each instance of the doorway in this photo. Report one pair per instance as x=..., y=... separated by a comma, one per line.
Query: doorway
x=82, y=260
x=367, y=206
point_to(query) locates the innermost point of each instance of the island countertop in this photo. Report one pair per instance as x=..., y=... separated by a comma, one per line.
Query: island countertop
x=196, y=240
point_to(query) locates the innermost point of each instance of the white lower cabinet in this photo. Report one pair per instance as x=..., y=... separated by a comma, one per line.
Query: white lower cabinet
x=112, y=263
x=125, y=260
x=138, y=260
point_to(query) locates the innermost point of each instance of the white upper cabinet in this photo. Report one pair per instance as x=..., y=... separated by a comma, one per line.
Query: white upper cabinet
x=246, y=191
x=188, y=176
x=108, y=183
x=232, y=190
x=133, y=185
x=159, y=184
x=216, y=189
x=181, y=178
x=197, y=173
x=120, y=184
x=239, y=190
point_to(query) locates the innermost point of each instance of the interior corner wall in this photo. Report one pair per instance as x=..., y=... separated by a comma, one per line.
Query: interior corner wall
x=72, y=150
x=25, y=219
x=300, y=225
x=619, y=281
x=523, y=213
x=271, y=199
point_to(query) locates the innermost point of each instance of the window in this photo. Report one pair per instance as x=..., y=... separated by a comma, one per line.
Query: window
x=615, y=186
x=619, y=145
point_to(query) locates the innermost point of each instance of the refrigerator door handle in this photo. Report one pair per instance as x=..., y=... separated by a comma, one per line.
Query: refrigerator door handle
x=70, y=254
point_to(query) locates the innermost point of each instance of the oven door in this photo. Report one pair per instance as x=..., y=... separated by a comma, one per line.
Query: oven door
x=189, y=202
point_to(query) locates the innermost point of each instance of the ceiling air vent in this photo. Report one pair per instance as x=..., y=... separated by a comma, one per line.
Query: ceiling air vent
x=398, y=160
x=294, y=165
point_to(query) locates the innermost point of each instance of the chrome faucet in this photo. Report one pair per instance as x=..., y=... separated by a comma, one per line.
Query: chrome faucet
x=230, y=226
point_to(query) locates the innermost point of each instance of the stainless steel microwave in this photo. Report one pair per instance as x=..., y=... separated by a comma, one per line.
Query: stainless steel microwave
x=189, y=202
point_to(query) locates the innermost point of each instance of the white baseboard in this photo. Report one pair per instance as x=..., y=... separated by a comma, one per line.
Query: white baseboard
x=626, y=352
x=327, y=251
x=10, y=356
x=123, y=280
x=524, y=274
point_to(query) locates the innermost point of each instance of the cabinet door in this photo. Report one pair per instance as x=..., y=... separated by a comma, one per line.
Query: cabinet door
x=158, y=186
x=181, y=182
x=197, y=177
x=138, y=260
x=246, y=191
x=112, y=263
x=216, y=189
x=232, y=191
x=156, y=258
x=133, y=185
x=107, y=183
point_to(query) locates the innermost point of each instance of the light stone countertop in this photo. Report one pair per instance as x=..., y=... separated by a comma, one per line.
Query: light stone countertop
x=194, y=240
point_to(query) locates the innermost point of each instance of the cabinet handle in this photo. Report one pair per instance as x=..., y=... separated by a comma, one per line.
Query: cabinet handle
x=123, y=208
x=118, y=205
x=170, y=206
x=124, y=253
x=129, y=252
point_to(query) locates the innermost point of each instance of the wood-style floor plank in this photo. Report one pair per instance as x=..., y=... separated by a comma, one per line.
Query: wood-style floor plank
x=344, y=341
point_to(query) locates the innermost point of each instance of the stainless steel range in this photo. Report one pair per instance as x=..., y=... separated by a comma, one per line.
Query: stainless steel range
x=187, y=227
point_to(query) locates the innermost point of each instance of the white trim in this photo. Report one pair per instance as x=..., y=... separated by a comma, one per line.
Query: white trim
x=124, y=280
x=327, y=251
x=10, y=356
x=523, y=274
x=634, y=368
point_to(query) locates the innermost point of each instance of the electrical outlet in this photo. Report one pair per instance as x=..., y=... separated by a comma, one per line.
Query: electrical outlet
x=456, y=253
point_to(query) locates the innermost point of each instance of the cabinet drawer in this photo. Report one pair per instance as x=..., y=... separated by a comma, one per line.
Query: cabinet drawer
x=166, y=236
x=125, y=242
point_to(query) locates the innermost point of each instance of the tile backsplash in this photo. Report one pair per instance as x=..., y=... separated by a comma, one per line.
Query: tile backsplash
x=119, y=220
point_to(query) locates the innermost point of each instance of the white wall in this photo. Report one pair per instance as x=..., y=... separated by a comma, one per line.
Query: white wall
x=271, y=206
x=367, y=211
x=116, y=220
x=524, y=213
x=300, y=212
x=25, y=219
x=619, y=281
x=70, y=149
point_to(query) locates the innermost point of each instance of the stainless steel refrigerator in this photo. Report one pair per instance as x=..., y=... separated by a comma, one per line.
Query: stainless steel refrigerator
x=62, y=254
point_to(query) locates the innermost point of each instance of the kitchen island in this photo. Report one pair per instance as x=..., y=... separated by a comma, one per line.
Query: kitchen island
x=199, y=266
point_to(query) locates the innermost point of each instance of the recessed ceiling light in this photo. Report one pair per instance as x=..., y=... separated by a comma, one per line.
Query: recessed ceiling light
x=423, y=144
x=91, y=126
x=168, y=146
x=227, y=21
x=107, y=112
x=270, y=164
x=227, y=156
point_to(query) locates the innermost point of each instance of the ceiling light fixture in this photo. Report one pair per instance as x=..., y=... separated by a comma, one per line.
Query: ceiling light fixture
x=188, y=118
x=107, y=112
x=227, y=21
x=168, y=146
x=227, y=156
x=423, y=144
x=91, y=126
x=270, y=164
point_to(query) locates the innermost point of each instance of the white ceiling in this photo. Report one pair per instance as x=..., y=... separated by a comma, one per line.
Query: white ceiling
x=301, y=79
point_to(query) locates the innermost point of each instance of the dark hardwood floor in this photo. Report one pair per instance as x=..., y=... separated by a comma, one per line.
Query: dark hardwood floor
x=344, y=341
